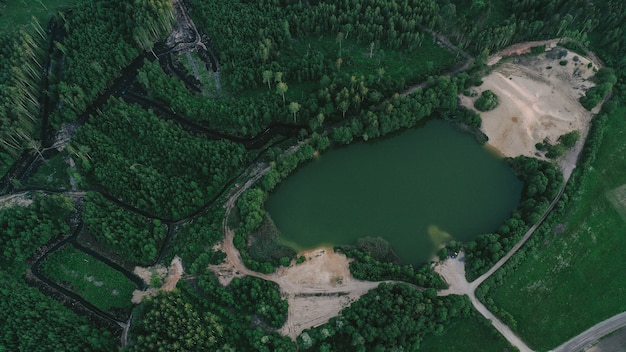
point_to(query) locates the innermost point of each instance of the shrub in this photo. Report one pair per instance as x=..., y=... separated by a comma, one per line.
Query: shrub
x=488, y=101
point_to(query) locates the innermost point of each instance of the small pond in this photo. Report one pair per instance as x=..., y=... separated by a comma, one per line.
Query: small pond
x=415, y=189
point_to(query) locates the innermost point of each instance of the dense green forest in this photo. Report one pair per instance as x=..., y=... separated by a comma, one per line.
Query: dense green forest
x=149, y=187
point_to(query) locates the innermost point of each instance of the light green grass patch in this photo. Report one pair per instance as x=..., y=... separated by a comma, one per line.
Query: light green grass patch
x=578, y=279
x=96, y=282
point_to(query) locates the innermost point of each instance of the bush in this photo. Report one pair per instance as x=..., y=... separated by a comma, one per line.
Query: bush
x=569, y=139
x=488, y=101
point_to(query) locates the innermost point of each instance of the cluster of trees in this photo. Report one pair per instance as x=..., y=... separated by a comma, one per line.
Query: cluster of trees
x=22, y=61
x=169, y=322
x=153, y=164
x=564, y=142
x=250, y=295
x=24, y=229
x=605, y=79
x=102, y=38
x=396, y=23
x=212, y=317
x=488, y=100
x=194, y=241
x=240, y=116
x=388, y=318
x=247, y=35
x=134, y=237
x=31, y=320
x=251, y=214
x=366, y=267
x=264, y=246
x=542, y=182
x=405, y=111
x=480, y=25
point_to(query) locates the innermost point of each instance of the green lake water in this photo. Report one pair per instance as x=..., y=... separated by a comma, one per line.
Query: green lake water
x=414, y=189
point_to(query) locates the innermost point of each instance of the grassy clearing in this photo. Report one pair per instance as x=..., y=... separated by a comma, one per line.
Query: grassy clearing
x=18, y=13
x=52, y=174
x=90, y=278
x=467, y=335
x=577, y=279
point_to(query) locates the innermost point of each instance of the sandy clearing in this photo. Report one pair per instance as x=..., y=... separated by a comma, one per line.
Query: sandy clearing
x=537, y=103
x=318, y=289
x=17, y=199
x=174, y=274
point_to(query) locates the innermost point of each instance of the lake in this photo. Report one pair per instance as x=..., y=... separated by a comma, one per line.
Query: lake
x=415, y=189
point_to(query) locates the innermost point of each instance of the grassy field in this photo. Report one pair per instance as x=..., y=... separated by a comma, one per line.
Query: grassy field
x=90, y=278
x=18, y=13
x=577, y=279
x=473, y=334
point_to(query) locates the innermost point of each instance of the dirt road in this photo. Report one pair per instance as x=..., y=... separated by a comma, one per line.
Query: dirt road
x=594, y=333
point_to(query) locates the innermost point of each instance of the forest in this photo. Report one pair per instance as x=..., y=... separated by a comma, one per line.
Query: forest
x=152, y=152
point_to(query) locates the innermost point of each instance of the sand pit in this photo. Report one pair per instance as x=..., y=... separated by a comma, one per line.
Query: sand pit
x=538, y=101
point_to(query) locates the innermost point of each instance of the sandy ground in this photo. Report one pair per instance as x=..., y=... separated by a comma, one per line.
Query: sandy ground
x=318, y=289
x=174, y=273
x=17, y=199
x=537, y=103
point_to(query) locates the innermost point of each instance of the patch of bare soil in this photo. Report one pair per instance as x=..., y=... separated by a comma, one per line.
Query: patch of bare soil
x=453, y=273
x=171, y=277
x=538, y=102
x=318, y=289
x=18, y=199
